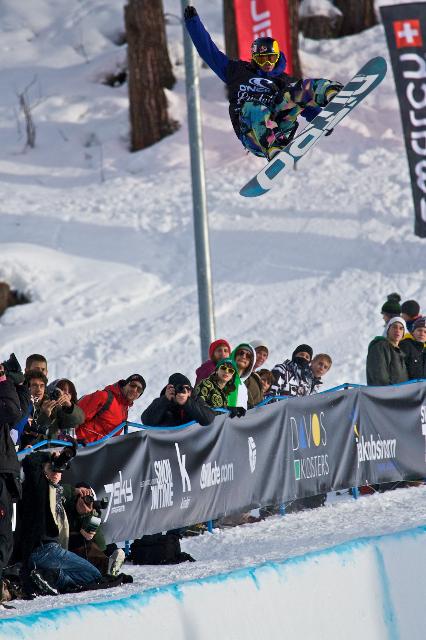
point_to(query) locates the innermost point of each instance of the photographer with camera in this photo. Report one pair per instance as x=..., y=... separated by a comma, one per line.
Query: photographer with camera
x=176, y=405
x=86, y=537
x=14, y=401
x=55, y=412
x=42, y=529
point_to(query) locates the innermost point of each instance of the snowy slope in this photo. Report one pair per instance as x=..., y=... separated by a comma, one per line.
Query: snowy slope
x=102, y=240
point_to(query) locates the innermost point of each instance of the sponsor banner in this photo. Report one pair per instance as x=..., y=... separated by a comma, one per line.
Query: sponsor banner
x=161, y=479
x=405, y=27
x=263, y=18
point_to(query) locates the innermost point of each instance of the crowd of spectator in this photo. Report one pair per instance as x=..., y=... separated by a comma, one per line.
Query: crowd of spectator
x=58, y=542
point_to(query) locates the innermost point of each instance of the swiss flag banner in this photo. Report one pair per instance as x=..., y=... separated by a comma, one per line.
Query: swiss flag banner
x=407, y=33
x=405, y=27
x=259, y=19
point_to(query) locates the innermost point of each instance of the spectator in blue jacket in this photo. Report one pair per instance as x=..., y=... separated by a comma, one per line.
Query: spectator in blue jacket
x=264, y=101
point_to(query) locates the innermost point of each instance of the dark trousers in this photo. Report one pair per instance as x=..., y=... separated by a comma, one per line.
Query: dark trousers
x=6, y=536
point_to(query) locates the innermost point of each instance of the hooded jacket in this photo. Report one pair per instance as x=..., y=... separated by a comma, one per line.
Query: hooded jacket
x=290, y=379
x=385, y=363
x=166, y=413
x=209, y=390
x=13, y=406
x=240, y=397
x=96, y=426
x=415, y=357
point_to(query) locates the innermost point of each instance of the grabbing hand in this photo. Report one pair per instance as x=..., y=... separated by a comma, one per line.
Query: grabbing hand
x=170, y=392
x=48, y=406
x=190, y=12
x=86, y=535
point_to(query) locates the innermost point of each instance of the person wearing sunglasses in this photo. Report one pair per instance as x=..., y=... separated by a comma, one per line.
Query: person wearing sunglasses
x=245, y=357
x=106, y=409
x=265, y=102
x=215, y=389
x=177, y=405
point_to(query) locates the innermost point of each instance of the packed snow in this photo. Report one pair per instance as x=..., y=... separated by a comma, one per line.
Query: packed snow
x=101, y=240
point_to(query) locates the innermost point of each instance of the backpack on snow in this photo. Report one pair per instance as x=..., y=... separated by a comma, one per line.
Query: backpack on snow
x=159, y=549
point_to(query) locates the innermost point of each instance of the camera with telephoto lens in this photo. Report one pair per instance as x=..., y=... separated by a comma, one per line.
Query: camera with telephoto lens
x=62, y=462
x=92, y=524
x=55, y=394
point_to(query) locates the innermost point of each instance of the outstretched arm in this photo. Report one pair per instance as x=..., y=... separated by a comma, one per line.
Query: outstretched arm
x=209, y=52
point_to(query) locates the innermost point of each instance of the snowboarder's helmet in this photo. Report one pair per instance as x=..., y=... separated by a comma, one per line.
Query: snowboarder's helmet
x=265, y=50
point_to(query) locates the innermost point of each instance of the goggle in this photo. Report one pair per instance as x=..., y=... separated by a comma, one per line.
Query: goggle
x=225, y=367
x=262, y=58
x=243, y=352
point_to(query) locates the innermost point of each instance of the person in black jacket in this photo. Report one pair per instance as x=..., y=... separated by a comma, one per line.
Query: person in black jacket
x=414, y=348
x=43, y=529
x=264, y=100
x=176, y=405
x=14, y=402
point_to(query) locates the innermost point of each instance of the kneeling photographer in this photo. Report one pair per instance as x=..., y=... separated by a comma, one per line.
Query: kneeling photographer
x=86, y=537
x=42, y=532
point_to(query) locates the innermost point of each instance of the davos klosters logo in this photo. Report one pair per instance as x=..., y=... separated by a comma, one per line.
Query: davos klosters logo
x=309, y=437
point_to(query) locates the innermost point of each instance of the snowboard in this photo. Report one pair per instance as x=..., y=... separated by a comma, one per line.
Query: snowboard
x=365, y=80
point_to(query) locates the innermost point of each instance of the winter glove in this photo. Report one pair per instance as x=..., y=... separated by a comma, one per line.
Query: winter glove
x=237, y=412
x=332, y=91
x=190, y=12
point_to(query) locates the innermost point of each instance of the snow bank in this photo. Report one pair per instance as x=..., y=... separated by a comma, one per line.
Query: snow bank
x=363, y=588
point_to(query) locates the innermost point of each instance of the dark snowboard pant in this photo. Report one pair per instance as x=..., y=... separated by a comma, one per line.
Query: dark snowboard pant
x=6, y=513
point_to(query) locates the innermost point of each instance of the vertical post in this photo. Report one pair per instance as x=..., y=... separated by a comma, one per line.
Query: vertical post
x=199, y=200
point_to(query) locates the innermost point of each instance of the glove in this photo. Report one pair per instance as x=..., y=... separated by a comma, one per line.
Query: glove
x=237, y=412
x=190, y=12
x=332, y=91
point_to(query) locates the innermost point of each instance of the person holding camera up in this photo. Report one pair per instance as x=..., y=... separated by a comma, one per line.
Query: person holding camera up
x=42, y=529
x=177, y=405
x=14, y=401
x=86, y=537
x=54, y=409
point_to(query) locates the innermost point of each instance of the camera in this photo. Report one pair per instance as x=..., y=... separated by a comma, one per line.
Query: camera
x=181, y=388
x=62, y=462
x=96, y=504
x=55, y=394
x=92, y=524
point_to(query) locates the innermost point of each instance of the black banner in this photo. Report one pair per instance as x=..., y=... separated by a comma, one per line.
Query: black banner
x=405, y=27
x=160, y=479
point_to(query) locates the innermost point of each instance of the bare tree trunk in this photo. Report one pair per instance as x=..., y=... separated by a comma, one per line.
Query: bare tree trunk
x=230, y=30
x=150, y=70
x=293, y=16
x=357, y=15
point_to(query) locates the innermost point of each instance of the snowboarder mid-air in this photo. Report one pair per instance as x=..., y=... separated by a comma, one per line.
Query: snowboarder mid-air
x=264, y=101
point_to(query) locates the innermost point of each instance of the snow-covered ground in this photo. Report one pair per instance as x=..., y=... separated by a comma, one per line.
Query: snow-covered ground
x=102, y=241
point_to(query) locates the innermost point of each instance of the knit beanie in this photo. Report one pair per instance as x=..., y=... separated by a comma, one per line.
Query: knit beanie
x=217, y=343
x=420, y=323
x=259, y=343
x=302, y=347
x=229, y=361
x=177, y=379
x=392, y=321
x=137, y=377
x=392, y=304
x=411, y=308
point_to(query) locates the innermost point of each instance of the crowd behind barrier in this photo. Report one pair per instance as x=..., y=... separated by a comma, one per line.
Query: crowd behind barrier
x=233, y=388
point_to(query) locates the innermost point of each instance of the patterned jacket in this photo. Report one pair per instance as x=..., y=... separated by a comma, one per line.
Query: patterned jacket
x=291, y=380
x=212, y=394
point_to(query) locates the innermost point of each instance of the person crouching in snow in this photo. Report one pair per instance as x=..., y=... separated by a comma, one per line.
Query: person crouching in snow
x=264, y=101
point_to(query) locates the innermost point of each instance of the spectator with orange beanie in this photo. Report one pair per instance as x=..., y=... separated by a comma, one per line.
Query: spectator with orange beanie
x=105, y=410
x=218, y=350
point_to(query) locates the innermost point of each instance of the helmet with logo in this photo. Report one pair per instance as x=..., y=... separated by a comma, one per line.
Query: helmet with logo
x=265, y=50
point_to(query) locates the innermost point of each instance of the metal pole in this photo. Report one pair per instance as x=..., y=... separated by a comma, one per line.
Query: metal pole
x=199, y=200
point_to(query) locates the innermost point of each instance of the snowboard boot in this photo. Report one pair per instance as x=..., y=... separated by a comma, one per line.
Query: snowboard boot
x=115, y=562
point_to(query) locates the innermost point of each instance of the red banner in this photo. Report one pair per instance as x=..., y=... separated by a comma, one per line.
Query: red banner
x=263, y=18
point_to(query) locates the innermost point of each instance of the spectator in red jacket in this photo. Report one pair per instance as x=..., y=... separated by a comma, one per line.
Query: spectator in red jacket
x=105, y=410
x=218, y=350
